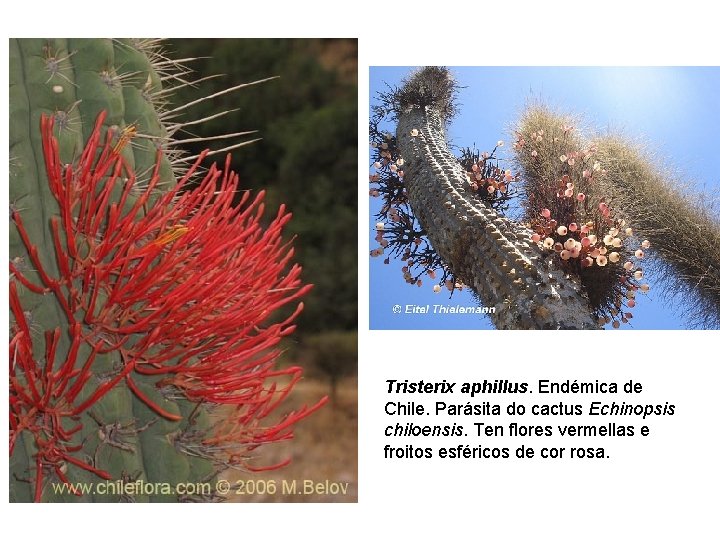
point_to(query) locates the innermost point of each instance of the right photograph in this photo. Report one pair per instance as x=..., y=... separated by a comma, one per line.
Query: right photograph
x=544, y=198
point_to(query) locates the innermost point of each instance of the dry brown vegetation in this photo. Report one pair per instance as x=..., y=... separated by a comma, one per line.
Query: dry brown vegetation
x=680, y=220
x=325, y=448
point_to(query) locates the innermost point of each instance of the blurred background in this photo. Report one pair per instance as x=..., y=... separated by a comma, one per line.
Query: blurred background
x=307, y=160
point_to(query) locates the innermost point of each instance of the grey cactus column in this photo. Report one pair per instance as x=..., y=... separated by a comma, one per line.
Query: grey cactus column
x=491, y=254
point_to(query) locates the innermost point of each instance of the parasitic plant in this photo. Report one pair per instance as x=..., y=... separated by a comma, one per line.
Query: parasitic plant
x=148, y=297
x=590, y=211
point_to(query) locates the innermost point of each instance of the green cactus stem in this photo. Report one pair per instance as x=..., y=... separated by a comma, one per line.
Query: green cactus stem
x=143, y=342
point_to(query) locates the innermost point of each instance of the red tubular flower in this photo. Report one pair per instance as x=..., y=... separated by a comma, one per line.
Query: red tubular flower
x=39, y=400
x=182, y=284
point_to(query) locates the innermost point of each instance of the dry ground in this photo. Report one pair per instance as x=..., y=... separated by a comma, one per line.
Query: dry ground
x=324, y=451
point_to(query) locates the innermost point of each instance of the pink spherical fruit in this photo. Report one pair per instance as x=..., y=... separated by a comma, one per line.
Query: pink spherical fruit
x=545, y=213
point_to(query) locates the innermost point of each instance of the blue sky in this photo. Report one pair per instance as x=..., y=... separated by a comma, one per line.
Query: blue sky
x=674, y=111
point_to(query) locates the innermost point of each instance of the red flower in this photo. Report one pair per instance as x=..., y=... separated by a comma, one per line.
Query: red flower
x=183, y=284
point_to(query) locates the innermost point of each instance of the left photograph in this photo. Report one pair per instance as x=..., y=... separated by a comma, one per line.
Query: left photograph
x=183, y=270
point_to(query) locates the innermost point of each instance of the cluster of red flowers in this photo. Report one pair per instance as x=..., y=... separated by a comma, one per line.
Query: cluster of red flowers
x=181, y=284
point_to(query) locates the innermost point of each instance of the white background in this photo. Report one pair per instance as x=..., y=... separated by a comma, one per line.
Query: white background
x=664, y=486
